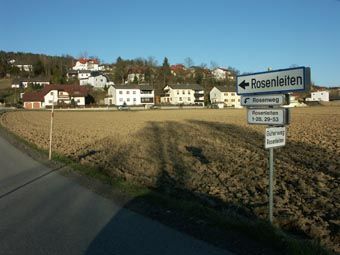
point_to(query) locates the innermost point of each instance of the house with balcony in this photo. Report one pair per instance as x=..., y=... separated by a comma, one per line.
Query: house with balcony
x=221, y=95
x=130, y=94
x=223, y=74
x=183, y=94
x=55, y=94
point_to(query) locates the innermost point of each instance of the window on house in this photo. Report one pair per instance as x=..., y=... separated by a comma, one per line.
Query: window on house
x=183, y=92
x=238, y=100
x=127, y=92
x=51, y=93
x=188, y=92
x=134, y=92
x=135, y=99
x=226, y=94
x=128, y=99
x=232, y=100
x=189, y=99
x=121, y=92
x=180, y=99
x=177, y=92
x=120, y=99
x=78, y=100
x=225, y=100
x=233, y=94
x=50, y=101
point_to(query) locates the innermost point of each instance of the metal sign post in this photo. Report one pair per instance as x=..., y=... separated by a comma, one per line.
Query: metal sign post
x=51, y=131
x=271, y=184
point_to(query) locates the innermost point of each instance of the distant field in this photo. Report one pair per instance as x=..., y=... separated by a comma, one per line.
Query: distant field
x=211, y=152
x=5, y=83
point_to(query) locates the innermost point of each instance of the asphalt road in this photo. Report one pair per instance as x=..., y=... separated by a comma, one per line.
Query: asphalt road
x=43, y=212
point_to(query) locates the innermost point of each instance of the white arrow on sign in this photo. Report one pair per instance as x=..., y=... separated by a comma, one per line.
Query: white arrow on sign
x=278, y=81
x=264, y=100
x=273, y=116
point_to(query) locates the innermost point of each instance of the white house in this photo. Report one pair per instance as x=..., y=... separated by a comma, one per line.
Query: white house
x=319, y=96
x=222, y=74
x=57, y=94
x=87, y=64
x=220, y=94
x=132, y=76
x=40, y=82
x=186, y=94
x=130, y=95
x=22, y=67
x=96, y=79
x=26, y=68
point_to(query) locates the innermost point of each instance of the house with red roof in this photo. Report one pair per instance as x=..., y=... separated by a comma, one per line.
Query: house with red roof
x=87, y=64
x=55, y=94
x=177, y=69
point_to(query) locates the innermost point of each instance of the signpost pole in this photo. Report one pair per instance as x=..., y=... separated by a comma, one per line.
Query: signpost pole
x=51, y=131
x=271, y=177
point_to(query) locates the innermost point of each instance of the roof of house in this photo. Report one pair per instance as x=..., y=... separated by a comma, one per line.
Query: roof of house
x=146, y=87
x=186, y=86
x=226, y=89
x=223, y=69
x=177, y=66
x=85, y=60
x=34, y=96
x=134, y=86
x=222, y=88
x=73, y=90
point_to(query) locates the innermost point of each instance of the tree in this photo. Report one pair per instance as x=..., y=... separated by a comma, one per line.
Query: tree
x=188, y=62
x=38, y=68
x=120, y=73
x=213, y=64
x=166, y=71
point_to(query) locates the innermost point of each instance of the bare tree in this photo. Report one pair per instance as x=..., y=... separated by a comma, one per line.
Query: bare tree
x=188, y=62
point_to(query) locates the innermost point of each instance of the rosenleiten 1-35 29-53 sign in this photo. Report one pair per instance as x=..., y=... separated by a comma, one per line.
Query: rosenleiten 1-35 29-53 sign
x=268, y=116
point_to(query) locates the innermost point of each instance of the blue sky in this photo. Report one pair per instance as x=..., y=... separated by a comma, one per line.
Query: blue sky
x=250, y=35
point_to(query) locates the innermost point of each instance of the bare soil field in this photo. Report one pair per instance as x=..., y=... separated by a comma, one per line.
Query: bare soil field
x=210, y=153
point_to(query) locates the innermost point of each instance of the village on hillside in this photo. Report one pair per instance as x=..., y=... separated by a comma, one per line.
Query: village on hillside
x=85, y=82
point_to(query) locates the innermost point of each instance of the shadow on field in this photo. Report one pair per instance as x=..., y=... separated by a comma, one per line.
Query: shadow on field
x=221, y=166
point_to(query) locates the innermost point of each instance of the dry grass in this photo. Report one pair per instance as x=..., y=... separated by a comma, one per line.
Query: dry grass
x=5, y=83
x=213, y=153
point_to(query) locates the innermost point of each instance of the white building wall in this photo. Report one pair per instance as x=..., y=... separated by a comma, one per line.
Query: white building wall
x=51, y=97
x=83, y=75
x=128, y=96
x=181, y=96
x=216, y=96
x=230, y=99
x=79, y=100
x=320, y=96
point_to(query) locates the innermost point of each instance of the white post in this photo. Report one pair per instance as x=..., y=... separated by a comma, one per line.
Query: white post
x=51, y=130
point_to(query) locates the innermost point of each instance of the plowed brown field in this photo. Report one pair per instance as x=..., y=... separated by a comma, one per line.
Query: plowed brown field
x=209, y=152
